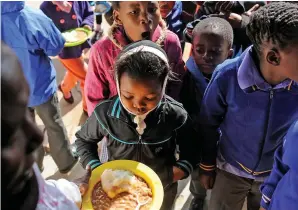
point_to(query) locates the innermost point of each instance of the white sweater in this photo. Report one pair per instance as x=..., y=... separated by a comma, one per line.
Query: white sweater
x=57, y=195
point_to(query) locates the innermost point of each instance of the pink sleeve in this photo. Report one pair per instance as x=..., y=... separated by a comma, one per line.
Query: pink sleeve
x=174, y=52
x=96, y=86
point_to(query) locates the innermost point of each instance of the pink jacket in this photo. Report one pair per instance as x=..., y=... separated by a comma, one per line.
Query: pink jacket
x=100, y=83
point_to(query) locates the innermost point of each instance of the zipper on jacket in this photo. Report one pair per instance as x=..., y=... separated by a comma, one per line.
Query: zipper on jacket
x=265, y=136
x=139, y=149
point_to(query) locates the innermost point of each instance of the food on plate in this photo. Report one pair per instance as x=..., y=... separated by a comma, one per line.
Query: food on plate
x=74, y=36
x=121, y=189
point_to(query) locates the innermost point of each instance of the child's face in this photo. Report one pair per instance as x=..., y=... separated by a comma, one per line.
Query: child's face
x=139, y=96
x=139, y=19
x=209, y=50
x=22, y=139
x=165, y=7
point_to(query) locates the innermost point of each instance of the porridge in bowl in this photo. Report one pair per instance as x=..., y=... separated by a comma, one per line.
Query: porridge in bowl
x=121, y=189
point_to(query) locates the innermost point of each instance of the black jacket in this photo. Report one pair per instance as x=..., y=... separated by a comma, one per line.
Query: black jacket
x=167, y=126
x=191, y=97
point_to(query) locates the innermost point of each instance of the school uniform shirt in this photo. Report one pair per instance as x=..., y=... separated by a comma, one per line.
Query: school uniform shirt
x=100, y=83
x=33, y=37
x=167, y=126
x=253, y=118
x=280, y=190
x=81, y=14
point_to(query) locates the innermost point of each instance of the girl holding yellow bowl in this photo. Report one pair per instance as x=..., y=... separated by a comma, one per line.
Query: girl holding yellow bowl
x=141, y=123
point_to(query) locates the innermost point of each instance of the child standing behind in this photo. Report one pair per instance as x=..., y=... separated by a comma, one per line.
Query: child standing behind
x=71, y=15
x=141, y=123
x=212, y=41
x=171, y=12
x=34, y=38
x=253, y=100
x=133, y=21
x=280, y=190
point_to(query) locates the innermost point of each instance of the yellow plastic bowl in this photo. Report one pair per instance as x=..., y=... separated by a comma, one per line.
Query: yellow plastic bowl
x=138, y=169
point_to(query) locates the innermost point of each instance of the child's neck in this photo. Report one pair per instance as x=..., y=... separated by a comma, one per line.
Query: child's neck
x=273, y=78
x=270, y=75
x=207, y=76
x=129, y=40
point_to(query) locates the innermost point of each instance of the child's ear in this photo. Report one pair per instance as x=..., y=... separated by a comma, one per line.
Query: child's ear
x=230, y=54
x=116, y=17
x=273, y=57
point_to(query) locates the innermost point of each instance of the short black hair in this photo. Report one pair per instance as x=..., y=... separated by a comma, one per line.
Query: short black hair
x=142, y=65
x=276, y=22
x=115, y=4
x=217, y=25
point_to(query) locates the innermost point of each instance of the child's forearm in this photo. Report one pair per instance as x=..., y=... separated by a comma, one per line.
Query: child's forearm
x=87, y=139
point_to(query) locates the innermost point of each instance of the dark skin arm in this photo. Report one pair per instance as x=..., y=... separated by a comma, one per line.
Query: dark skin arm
x=235, y=19
x=83, y=182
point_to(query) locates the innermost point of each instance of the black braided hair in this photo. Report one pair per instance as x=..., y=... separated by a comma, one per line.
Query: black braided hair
x=217, y=25
x=276, y=22
x=115, y=4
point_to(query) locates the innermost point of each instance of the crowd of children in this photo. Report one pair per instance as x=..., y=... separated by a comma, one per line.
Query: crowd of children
x=227, y=117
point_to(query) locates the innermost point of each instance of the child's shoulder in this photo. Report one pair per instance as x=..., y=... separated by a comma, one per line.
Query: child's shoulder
x=227, y=69
x=171, y=39
x=174, y=110
x=104, y=45
x=36, y=18
x=104, y=106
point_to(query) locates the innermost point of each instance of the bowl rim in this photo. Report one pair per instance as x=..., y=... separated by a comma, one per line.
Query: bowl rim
x=139, y=169
x=73, y=44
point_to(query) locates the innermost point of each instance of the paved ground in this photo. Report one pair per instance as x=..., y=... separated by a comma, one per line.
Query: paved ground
x=73, y=117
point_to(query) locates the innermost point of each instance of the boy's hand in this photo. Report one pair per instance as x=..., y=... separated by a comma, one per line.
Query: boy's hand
x=251, y=10
x=207, y=181
x=65, y=6
x=83, y=182
x=87, y=27
x=178, y=174
x=224, y=6
x=261, y=208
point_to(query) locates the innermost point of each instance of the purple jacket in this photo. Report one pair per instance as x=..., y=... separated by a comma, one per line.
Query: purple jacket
x=81, y=14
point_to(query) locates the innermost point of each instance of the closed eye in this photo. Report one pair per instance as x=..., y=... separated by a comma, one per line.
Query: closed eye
x=128, y=97
x=150, y=99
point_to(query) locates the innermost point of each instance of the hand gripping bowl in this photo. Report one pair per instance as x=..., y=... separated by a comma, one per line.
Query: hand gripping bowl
x=139, y=169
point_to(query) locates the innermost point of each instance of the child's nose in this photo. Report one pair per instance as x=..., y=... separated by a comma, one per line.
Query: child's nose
x=139, y=104
x=207, y=56
x=145, y=19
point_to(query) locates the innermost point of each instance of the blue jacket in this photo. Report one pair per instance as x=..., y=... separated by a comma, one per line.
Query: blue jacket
x=253, y=117
x=34, y=38
x=174, y=20
x=280, y=190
